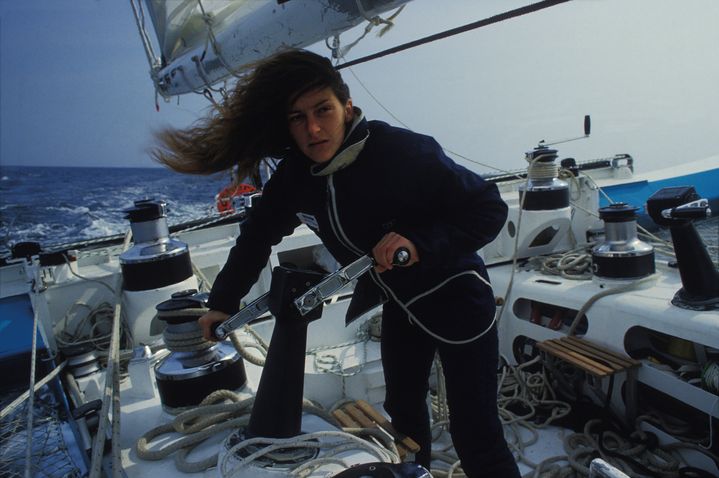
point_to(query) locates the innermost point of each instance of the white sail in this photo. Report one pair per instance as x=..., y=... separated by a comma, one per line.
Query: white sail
x=204, y=42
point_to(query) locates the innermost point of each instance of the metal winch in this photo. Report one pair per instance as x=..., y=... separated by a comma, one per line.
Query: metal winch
x=545, y=214
x=155, y=260
x=152, y=269
x=622, y=255
x=195, y=367
x=543, y=190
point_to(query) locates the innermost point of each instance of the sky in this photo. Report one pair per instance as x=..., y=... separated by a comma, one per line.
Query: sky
x=75, y=88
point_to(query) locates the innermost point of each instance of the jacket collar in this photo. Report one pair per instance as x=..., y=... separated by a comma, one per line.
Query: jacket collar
x=354, y=142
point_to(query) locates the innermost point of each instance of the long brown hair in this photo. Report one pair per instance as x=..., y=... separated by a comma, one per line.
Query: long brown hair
x=251, y=123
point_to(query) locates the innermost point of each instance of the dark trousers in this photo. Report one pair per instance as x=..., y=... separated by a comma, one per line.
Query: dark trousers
x=470, y=372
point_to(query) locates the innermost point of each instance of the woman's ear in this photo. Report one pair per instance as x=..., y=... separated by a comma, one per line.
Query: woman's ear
x=349, y=111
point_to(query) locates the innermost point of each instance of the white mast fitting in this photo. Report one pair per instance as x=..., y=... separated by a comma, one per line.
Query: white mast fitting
x=203, y=42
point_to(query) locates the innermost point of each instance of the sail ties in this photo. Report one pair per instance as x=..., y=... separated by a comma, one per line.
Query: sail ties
x=375, y=21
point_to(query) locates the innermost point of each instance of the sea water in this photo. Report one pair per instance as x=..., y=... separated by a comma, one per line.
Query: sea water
x=60, y=205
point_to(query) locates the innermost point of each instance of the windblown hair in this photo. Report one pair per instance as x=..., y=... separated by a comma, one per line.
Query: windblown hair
x=251, y=123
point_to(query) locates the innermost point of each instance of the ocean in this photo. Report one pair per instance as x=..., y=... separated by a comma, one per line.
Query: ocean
x=60, y=205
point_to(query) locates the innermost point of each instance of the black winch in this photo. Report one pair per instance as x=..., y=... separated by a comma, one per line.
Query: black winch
x=195, y=367
x=622, y=255
x=155, y=260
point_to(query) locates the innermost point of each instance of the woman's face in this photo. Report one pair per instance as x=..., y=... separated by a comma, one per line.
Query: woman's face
x=317, y=122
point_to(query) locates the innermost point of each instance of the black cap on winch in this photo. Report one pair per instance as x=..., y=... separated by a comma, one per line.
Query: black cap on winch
x=542, y=154
x=146, y=210
x=25, y=249
x=618, y=212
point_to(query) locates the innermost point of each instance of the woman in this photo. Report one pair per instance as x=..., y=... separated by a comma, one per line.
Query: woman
x=366, y=187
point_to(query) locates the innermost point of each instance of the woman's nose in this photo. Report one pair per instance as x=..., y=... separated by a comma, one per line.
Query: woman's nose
x=313, y=126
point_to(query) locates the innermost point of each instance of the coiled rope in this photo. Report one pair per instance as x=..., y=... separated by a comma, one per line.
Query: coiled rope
x=332, y=443
x=225, y=410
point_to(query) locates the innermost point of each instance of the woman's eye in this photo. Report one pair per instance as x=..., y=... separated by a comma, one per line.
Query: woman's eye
x=294, y=119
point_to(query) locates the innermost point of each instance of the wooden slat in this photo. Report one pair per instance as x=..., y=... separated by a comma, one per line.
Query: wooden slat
x=378, y=418
x=345, y=420
x=348, y=421
x=603, y=359
x=588, y=356
x=574, y=358
x=358, y=416
x=627, y=362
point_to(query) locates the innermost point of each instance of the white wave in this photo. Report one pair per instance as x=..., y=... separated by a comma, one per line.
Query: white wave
x=70, y=209
x=100, y=227
x=4, y=178
x=178, y=213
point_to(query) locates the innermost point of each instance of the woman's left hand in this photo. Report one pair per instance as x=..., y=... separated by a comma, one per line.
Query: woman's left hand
x=385, y=249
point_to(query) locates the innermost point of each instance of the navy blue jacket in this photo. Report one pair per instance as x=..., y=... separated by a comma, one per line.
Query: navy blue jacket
x=403, y=182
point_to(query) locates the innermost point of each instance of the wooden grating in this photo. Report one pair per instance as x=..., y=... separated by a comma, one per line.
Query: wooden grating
x=587, y=356
x=360, y=414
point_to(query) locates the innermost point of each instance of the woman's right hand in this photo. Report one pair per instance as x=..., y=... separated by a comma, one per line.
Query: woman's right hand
x=206, y=323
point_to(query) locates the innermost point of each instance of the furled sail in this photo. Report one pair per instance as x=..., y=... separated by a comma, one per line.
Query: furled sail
x=202, y=42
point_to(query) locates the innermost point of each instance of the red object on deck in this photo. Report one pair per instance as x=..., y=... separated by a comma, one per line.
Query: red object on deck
x=224, y=198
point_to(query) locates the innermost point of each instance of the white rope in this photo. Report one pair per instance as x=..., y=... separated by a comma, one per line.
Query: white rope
x=414, y=320
x=575, y=264
x=31, y=389
x=11, y=407
x=208, y=19
x=515, y=259
x=614, y=290
x=111, y=394
x=214, y=415
x=541, y=170
x=342, y=443
x=146, y=43
x=152, y=59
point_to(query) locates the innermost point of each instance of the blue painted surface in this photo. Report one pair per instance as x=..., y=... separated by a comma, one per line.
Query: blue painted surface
x=706, y=184
x=16, y=326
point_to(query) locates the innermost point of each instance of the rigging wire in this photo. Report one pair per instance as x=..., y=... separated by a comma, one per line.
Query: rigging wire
x=455, y=31
x=446, y=150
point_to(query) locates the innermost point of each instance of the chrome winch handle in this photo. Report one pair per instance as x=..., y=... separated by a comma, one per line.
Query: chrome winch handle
x=698, y=209
x=331, y=284
x=248, y=313
x=313, y=297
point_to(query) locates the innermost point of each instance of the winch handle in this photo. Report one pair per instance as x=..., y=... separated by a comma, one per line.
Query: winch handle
x=252, y=311
x=401, y=256
x=698, y=209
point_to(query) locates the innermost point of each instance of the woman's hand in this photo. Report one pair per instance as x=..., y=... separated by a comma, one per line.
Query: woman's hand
x=206, y=323
x=384, y=251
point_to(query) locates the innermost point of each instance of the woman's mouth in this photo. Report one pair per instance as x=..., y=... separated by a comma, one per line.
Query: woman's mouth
x=317, y=143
